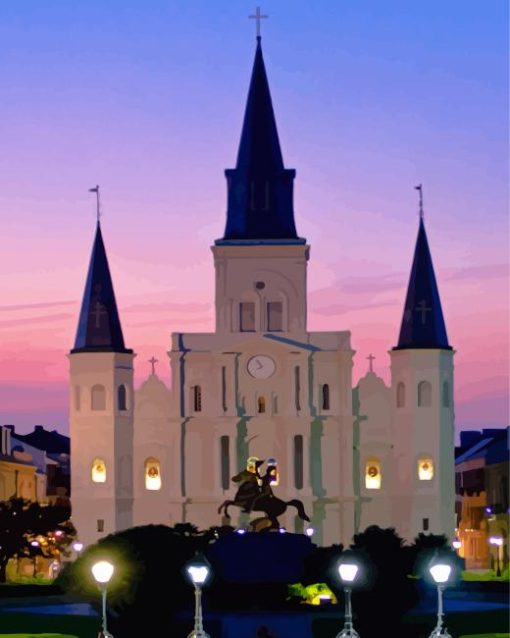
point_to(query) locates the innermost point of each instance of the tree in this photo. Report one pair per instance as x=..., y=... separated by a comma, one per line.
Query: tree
x=30, y=529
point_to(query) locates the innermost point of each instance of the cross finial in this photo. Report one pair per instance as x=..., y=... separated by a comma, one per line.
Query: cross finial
x=98, y=205
x=258, y=17
x=153, y=362
x=420, y=189
x=370, y=362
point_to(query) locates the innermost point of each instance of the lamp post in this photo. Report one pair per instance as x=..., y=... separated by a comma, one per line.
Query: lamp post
x=348, y=573
x=102, y=572
x=198, y=571
x=440, y=572
x=497, y=541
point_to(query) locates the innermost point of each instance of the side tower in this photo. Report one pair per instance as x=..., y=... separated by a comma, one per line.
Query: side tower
x=423, y=490
x=101, y=411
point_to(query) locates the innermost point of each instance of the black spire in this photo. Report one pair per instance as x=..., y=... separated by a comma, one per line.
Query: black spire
x=99, y=327
x=260, y=188
x=422, y=324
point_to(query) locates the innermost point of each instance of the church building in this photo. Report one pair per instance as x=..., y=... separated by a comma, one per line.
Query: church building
x=262, y=385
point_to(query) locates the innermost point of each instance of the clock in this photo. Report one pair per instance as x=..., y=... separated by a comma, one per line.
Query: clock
x=261, y=366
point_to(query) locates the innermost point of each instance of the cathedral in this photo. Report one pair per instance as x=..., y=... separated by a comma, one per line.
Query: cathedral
x=261, y=385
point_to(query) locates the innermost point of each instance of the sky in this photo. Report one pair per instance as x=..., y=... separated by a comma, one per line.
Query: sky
x=147, y=99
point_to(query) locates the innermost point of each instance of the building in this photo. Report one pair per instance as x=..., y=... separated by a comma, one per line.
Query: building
x=261, y=384
x=482, y=504
x=19, y=475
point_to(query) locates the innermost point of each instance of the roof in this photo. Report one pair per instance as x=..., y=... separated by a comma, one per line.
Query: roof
x=493, y=446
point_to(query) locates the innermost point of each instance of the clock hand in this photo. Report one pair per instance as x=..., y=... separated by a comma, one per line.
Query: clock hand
x=258, y=364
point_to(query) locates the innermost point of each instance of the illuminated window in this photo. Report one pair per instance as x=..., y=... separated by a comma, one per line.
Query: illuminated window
x=261, y=405
x=373, y=474
x=77, y=398
x=424, y=394
x=401, y=395
x=325, y=397
x=274, y=316
x=425, y=469
x=152, y=474
x=197, y=398
x=98, y=471
x=121, y=398
x=247, y=316
x=98, y=397
x=446, y=395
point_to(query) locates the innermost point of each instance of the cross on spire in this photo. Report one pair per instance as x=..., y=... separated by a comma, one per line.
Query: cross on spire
x=153, y=362
x=98, y=204
x=420, y=189
x=370, y=362
x=258, y=17
x=423, y=309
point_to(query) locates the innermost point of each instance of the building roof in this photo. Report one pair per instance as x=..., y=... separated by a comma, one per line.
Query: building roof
x=423, y=324
x=492, y=445
x=99, y=328
x=52, y=442
x=260, y=188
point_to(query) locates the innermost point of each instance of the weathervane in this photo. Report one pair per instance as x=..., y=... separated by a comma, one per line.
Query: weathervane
x=258, y=17
x=420, y=189
x=98, y=209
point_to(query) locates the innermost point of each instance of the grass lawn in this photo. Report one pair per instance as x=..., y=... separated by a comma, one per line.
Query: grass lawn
x=45, y=625
x=36, y=636
x=488, y=576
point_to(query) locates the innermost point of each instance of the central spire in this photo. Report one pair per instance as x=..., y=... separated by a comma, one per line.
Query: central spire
x=260, y=188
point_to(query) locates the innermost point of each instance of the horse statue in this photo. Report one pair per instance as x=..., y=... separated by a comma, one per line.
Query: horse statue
x=255, y=494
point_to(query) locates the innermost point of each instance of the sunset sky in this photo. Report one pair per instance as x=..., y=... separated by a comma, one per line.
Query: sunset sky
x=147, y=98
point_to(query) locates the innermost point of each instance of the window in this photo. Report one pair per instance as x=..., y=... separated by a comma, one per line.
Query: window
x=152, y=474
x=373, y=474
x=98, y=397
x=424, y=394
x=446, y=395
x=325, y=397
x=100, y=525
x=224, y=388
x=247, y=316
x=401, y=395
x=425, y=469
x=121, y=398
x=298, y=462
x=98, y=471
x=297, y=387
x=261, y=405
x=197, y=398
x=425, y=524
x=77, y=398
x=225, y=462
x=272, y=470
x=275, y=316
x=275, y=404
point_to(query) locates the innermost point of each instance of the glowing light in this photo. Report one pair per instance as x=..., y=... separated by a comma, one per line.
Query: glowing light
x=348, y=571
x=59, y=533
x=102, y=571
x=426, y=469
x=198, y=574
x=282, y=530
x=496, y=540
x=309, y=531
x=241, y=531
x=99, y=471
x=77, y=546
x=457, y=544
x=34, y=543
x=373, y=475
x=440, y=572
x=152, y=475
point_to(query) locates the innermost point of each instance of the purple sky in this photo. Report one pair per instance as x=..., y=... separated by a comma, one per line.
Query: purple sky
x=147, y=100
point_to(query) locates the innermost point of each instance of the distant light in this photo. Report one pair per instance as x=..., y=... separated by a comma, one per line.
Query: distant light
x=59, y=533
x=457, y=544
x=496, y=540
x=241, y=531
x=102, y=571
x=77, y=546
x=198, y=574
x=282, y=530
x=440, y=572
x=309, y=531
x=348, y=571
x=488, y=510
x=34, y=543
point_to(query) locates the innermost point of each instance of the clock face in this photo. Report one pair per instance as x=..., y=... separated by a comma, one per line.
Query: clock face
x=261, y=366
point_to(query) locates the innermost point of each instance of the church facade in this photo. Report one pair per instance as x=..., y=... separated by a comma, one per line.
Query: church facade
x=263, y=385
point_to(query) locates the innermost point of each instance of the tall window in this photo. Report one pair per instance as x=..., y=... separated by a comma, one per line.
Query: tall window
x=121, y=398
x=325, y=397
x=446, y=394
x=425, y=469
x=247, y=316
x=424, y=394
x=275, y=404
x=298, y=461
x=152, y=474
x=197, y=398
x=261, y=405
x=425, y=524
x=275, y=316
x=98, y=397
x=297, y=387
x=77, y=398
x=98, y=471
x=224, y=388
x=373, y=474
x=100, y=524
x=401, y=395
x=225, y=462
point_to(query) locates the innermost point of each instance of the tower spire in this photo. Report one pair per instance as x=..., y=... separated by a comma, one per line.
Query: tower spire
x=258, y=17
x=420, y=189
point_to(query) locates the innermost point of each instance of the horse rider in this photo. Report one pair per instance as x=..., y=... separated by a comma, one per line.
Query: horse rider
x=250, y=480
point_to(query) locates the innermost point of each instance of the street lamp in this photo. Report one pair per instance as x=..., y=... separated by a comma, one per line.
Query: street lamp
x=497, y=541
x=198, y=571
x=456, y=544
x=440, y=572
x=77, y=546
x=348, y=573
x=102, y=572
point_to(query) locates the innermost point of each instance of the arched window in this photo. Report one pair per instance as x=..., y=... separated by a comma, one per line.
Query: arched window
x=152, y=474
x=401, y=395
x=121, y=398
x=325, y=396
x=298, y=461
x=197, y=398
x=98, y=471
x=261, y=405
x=77, y=398
x=425, y=469
x=225, y=462
x=424, y=394
x=275, y=316
x=446, y=394
x=247, y=316
x=98, y=397
x=297, y=387
x=373, y=474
